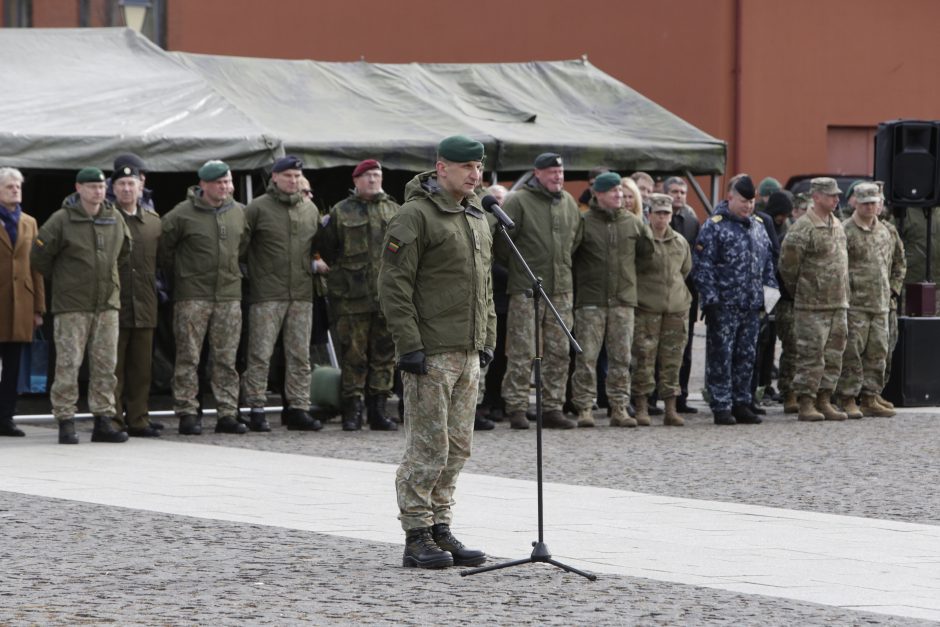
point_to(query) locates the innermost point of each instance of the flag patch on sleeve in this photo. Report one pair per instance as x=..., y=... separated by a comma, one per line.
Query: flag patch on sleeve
x=393, y=247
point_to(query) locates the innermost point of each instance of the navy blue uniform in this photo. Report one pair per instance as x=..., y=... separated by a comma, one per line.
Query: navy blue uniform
x=732, y=262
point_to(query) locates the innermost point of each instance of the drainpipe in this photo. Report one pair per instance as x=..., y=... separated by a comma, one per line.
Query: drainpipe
x=737, y=90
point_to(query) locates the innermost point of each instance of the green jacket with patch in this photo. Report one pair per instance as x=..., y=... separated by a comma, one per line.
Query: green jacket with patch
x=278, y=240
x=351, y=243
x=604, y=265
x=200, y=247
x=547, y=232
x=80, y=255
x=434, y=281
x=139, y=271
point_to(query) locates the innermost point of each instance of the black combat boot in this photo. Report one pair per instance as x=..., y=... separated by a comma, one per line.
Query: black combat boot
x=9, y=428
x=743, y=415
x=145, y=431
x=104, y=431
x=229, y=424
x=190, y=424
x=461, y=554
x=67, y=432
x=422, y=552
x=297, y=419
x=378, y=421
x=257, y=421
x=352, y=414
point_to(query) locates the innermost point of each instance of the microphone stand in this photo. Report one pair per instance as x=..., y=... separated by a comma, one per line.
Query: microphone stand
x=540, y=552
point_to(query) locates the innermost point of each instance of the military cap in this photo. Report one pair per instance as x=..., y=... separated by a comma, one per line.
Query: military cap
x=124, y=171
x=768, y=186
x=460, y=149
x=824, y=185
x=606, y=182
x=745, y=186
x=660, y=202
x=548, y=160
x=802, y=201
x=129, y=158
x=89, y=175
x=779, y=203
x=368, y=164
x=867, y=192
x=290, y=162
x=213, y=170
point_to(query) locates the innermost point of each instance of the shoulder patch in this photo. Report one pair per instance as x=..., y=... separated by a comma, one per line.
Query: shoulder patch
x=716, y=219
x=393, y=246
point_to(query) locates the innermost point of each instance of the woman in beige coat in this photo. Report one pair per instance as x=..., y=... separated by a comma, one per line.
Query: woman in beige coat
x=661, y=320
x=22, y=296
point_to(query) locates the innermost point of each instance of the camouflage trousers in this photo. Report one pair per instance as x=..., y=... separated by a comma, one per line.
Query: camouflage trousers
x=74, y=332
x=658, y=338
x=592, y=325
x=783, y=315
x=892, y=338
x=820, y=338
x=439, y=410
x=730, y=350
x=520, y=349
x=192, y=319
x=134, y=367
x=367, y=355
x=265, y=322
x=863, y=363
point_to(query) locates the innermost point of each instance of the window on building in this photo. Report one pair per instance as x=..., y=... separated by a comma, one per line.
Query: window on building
x=18, y=13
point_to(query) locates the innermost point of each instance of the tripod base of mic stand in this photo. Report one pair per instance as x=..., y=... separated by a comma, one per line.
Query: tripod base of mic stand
x=540, y=553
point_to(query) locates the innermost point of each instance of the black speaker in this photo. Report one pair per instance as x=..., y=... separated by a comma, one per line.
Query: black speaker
x=906, y=159
x=913, y=380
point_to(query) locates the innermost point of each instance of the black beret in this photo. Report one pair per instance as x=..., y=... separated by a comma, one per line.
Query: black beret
x=289, y=162
x=125, y=171
x=548, y=160
x=745, y=187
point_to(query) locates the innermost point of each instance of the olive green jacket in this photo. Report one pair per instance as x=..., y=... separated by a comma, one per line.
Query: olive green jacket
x=604, y=265
x=434, y=282
x=913, y=230
x=351, y=243
x=814, y=263
x=200, y=247
x=547, y=232
x=80, y=254
x=661, y=286
x=279, y=233
x=139, y=271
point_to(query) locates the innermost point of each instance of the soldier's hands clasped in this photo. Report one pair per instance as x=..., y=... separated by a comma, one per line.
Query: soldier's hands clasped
x=414, y=362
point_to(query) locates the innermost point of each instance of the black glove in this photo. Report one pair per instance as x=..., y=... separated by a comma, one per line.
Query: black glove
x=486, y=356
x=710, y=313
x=414, y=362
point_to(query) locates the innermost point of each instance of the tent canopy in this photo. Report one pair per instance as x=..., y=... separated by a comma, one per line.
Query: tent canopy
x=83, y=95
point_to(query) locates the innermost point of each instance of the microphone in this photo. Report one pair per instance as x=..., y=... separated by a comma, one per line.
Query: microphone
x=492, y=205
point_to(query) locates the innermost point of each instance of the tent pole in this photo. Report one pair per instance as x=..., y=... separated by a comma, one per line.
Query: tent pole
x=249, y=191
x=714, y=189
x=699, y=192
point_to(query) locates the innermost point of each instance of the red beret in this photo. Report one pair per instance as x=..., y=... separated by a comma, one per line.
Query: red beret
x=365, y=166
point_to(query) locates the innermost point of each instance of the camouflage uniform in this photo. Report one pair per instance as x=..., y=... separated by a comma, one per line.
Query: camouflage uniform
x=437, y=298
x=351, y=243
x=279, y=232
x=814, y=269
x=81, y=254
x=200, y=247
x=547, y=232
x=869, y=255
x=898, y=271
x=732, y=264
x=662, y=312
x=604, y=268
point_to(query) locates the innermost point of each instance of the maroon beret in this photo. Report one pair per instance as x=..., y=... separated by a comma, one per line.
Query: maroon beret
x=365, y=166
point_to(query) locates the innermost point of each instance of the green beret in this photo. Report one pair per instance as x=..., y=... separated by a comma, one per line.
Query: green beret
x=460, y=149
x=548, y=160
x=606, y=182
x=90, y=175
x=768, y=186
x=213, y=170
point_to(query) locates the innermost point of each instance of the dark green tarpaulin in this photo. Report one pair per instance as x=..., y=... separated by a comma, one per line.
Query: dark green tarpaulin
x=79, y=96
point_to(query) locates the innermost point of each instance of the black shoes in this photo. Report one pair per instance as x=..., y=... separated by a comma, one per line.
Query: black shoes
x=375, y=410
x=446, y=541
x=104, y=431
x=257, y=421
x=480, y=421
x=190, y=424
x=144, y=432
x=743, y=415
x=352, y=414
x=228, y=424
x=422, y=552
x=67, y=432
x=757, y=409
x=300, y=420
x=724, y=417
x=9, y=428
x=683, y=407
